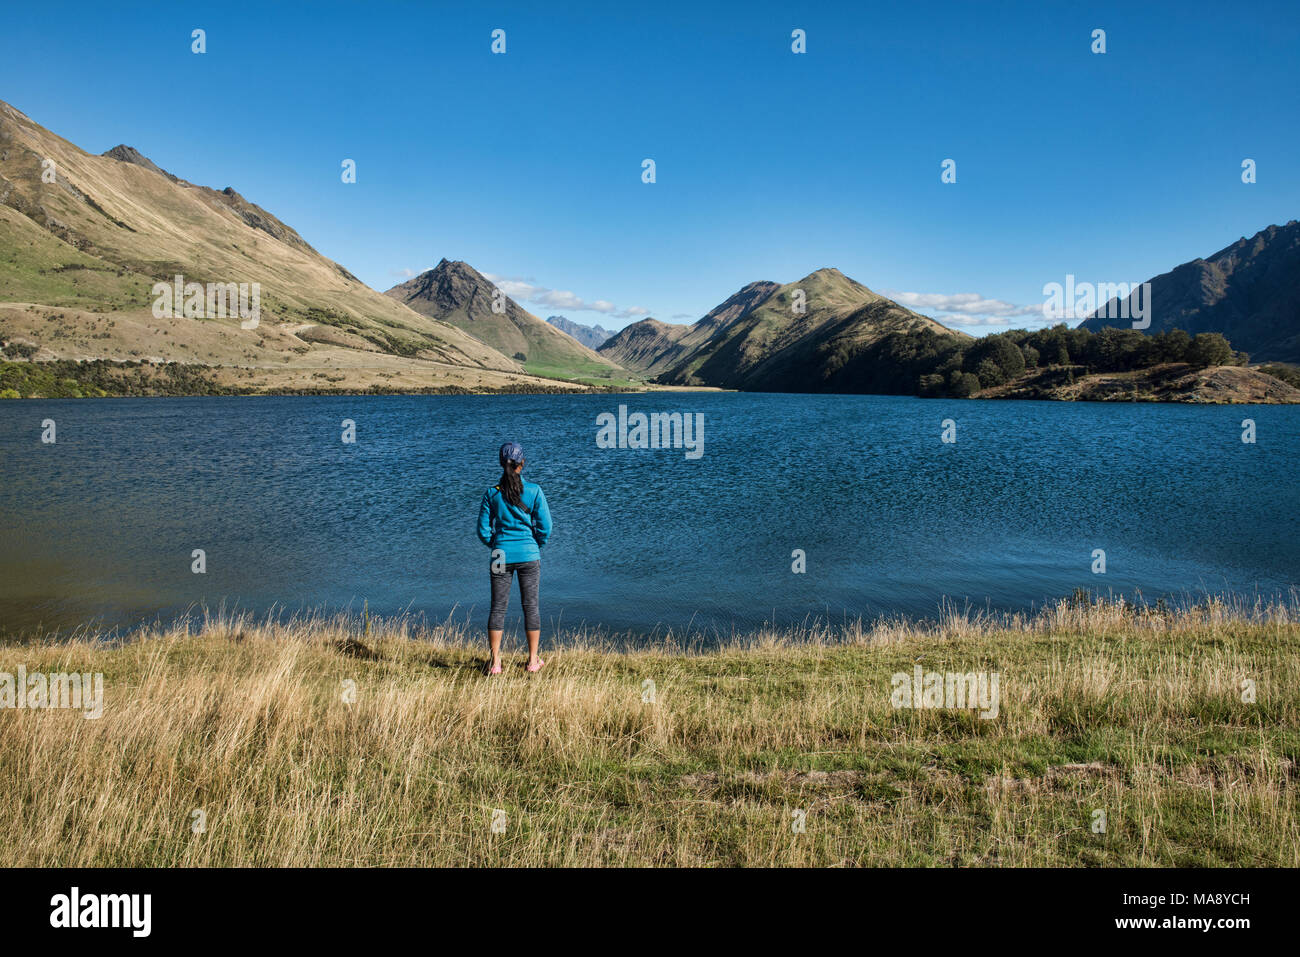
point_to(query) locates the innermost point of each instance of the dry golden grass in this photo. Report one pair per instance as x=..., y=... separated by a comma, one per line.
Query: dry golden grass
x=283, y=356
x=1103, y=708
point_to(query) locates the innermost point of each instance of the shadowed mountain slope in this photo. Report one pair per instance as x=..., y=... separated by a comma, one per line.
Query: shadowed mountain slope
x=1249, y=292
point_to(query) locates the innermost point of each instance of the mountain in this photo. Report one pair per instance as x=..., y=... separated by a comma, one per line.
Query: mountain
x=457, y=293
x=129, y=154
x=590, y=336
x=1249, y=292
x=652, y=347
x=647, y=347
x=84, y=238
x=813, y=335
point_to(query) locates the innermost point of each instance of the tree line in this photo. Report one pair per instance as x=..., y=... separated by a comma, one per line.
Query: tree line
x=930, y=364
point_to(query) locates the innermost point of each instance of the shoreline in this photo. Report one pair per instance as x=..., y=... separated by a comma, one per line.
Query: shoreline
x=1175, y=384
x=198, y=620
x=455, y=391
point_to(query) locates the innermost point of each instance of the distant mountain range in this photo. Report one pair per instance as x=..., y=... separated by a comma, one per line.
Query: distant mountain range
x=84, y=240
x=590, y=336
x=805, y=336
x=457, y=293
x=1249, y=292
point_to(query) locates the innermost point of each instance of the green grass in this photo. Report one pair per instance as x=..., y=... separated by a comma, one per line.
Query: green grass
x=587, y=373
x=38, y=267
x=1138, y=715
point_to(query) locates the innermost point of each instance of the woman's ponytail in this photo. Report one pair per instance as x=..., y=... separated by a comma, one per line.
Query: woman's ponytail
x=512, y=487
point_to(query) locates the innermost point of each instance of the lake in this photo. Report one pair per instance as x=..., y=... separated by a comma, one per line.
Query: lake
x=101, y=525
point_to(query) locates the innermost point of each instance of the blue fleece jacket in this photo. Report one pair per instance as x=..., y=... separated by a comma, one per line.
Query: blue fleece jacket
x=519, y=532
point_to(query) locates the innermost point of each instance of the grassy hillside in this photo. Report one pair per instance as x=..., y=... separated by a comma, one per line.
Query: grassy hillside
x=37, y=267
x=90, y=243
x=1139, y=714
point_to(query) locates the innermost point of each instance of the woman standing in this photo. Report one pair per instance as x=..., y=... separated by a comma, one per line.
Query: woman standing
x=515, y=523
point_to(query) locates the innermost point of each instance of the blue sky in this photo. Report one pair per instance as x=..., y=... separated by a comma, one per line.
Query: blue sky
x=1113, y=167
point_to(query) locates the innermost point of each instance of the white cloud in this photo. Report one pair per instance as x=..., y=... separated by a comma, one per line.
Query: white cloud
x=966, y=308
x=528, y=291
x=403, y=273
x=514, y=288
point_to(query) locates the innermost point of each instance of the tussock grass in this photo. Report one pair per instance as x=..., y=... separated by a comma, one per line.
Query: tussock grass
x=1103, y=706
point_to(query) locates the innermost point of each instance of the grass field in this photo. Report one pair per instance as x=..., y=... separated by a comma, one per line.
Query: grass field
x=586, y=373
x=319, y=743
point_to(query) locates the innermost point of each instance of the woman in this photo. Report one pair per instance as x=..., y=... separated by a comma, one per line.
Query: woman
x=515, y=523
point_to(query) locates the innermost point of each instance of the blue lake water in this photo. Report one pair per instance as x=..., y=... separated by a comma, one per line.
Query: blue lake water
x=100, y=525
